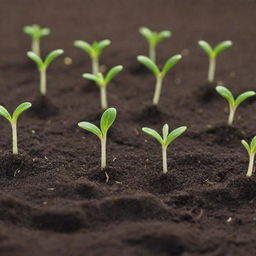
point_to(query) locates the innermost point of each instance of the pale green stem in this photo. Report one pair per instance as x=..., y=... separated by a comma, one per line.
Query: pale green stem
x=103, y=97
x=103, y=153
x=158, y=89
x=211, y=73
x=43, y=81
x=152, y=52
x=232, y=112
x=164, y=152
x=95, y=65
x=36, y=46
x=14, y=139
x=250, y=167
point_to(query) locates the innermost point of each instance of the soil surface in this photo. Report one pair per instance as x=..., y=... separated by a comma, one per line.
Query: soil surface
x=54, y=199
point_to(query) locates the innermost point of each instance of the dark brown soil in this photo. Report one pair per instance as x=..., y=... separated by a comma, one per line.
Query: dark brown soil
x=54, y=199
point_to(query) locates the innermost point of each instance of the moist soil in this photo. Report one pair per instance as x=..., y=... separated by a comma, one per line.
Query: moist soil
x=54, y=199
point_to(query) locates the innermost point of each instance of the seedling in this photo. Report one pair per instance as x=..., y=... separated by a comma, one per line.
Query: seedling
x=251, y=149
x=13, y=121
x=43, y=65
x=36, y=32
x=233, y=103
x=212, y=54
x=94, y=50
x=102, y=82
x=166, y=140
x=154, y=38
x=159, y=75
x=107, y=119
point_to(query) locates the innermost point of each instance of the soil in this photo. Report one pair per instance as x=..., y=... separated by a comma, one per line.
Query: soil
x=54, y=199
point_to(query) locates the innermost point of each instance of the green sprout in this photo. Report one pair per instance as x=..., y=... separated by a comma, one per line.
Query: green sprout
x=212, y=54
x=251, y=149
x=154, y=38
x=102, y=82
x=13, y=121
x=107, y=119
x=94, y=50
x=159, y=75
x=36, y=32
x=166, y=140
x=43, y=65
x=233, y=103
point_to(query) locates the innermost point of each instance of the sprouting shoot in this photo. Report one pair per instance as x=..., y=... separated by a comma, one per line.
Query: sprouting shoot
x=107, y=119
x=251, y=149
x=212, y=54
x=36, y=32
x=102, y=82
x=233, y=103
x=165, y=140
x=13, y=121
x=159, y=75
x=43, y=65
x=94, y=50
x=154, y=38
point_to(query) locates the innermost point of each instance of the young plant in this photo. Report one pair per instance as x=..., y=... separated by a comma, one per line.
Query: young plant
x=159, y=75
x=36, y=32
x=107, y=119
x=13, y=121
x=251, y=149
x=233, y=103
x=43, y=65
x=94, y=50
x=102, y=82
x=154, y=38
x=166, y=140
x=212, y=54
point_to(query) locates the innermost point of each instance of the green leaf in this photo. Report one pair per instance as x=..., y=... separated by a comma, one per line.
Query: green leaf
x=112, y=73
x=146, y=32
x=36, y=59
x=153, y=134
x=170, y=63
x=84, y=46
x=149, y=64
x=165, y=131
x=206, y=47
x=107, y=120
x=29, y=30
x=91, y=128
x=242, y=97
x=4, y=112
x=21, y=108
x=52, y=56
x=36, y=31
x=175, y=134
x=100, y=46
x=246, y=145
x=225, y=93
x=45, y=31
x=253, y=145
x=91, y=77
x=221, y=47
x=163, y=35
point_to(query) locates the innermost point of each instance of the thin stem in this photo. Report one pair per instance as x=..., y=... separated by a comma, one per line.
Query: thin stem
x=250, y=167
x=95, y=65
x=211, y=73
x=232, y=112
x=152, y=52
x=14, y=139
x=103, y=97
x=103, y=153
x=164, y=153
x=36, y=46
x=158, y=88
x=43, y=81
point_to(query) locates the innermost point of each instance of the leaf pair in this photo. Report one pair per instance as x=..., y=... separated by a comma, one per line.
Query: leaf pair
x=213, y=53
x=167, y=137
x=102, y=81
x=16, y=113
x=151, y=65
x=153, y=37
x=251, y=149
x=107, y=119
x=35, y=31
x=48, y=60
x=95, y=49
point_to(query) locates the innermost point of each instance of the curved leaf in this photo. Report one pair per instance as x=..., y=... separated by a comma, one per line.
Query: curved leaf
x=170, y=63
x=146, y=32
x=101, y=45
x=91, y=128
x=174, y=134
x=4, y=113
x=165, y=131
x=84, y=46
x=91, y=77
x=112, y=73
x=163, y=35
x=29, y=30
x=21, y=108
x=225, y=93
x=221, y=47
x=45, y=31
x=36, y=59
x=107, y=120
x=52, y=56
x=149, y=64
x=153, y=134
x=253, y=145
x=242, y=97
x=206, y=47
x=246, y=145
